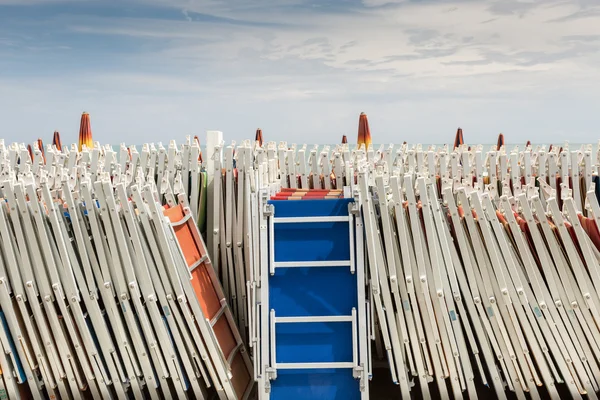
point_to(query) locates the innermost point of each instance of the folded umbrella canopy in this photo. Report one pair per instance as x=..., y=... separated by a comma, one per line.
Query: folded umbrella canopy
x=56, y=141
x=259, y=137
x=85, y=132
x=40, y=146
x=458, y=140
x=199, y=154
x=500, y=141
x=344, y=139
x=30, y=150
x=364, y=133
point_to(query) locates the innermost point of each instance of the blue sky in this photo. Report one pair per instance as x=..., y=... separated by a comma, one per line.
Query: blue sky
x=154, y=70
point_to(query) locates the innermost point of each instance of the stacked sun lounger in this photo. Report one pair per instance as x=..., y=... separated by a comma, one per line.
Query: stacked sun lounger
x=468, y=272
x=106, y=287
x=481, y=266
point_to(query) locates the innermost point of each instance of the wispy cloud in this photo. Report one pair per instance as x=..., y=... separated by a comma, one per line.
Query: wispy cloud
x=593, y=13
x=302, y=70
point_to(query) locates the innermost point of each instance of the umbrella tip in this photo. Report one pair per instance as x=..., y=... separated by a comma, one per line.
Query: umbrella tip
x=363, y=113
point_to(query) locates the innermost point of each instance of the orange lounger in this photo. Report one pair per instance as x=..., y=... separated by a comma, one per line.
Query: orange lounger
x=212, y=300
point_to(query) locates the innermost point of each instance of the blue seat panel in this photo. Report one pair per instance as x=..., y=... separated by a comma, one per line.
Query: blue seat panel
x=306, y=291
x=330, y=384
x=314, y=241
x=313, y=342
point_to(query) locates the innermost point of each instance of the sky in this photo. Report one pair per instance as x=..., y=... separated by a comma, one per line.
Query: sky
x=302, y=71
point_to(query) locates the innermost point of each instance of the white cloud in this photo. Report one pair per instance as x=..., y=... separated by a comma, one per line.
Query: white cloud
x=420, y=69
x=379, y=3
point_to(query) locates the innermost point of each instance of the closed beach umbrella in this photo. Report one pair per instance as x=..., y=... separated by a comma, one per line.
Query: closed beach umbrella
x=30, y=150
x=500, y=141
x=85, y=132
x=259, y=137
x=56, y=141
x=459, y=140
x=200, y=153
x=40, y=145
x=344, y=139
x=364, y=133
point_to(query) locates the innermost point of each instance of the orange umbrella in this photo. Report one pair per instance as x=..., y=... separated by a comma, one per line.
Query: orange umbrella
x=458, y=140
x=41, y=148
x=259, y=137
x=364, y=133
x=85, y=132
x=30, y=150
x=500, y=142
x=344, y=139
x=200, y=154
x=56, y=141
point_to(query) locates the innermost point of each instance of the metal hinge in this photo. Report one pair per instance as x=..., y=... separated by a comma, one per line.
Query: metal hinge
x=354, y=208
x=269, y=210
x=270, y=374
x=360, y=373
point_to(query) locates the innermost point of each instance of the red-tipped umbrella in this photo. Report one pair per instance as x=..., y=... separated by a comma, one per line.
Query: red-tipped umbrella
x=259, y=137
x=528, y=143
x=85, y=132
x=459, y=140
x=30, y=150
x=41, y=148
x=344, y=139
x=56, y=141
x=364, y=133
x=500, y=141
x=200, y=153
